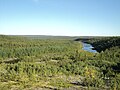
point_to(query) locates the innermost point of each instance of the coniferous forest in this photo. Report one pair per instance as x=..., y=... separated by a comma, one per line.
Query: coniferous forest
x=59, y=63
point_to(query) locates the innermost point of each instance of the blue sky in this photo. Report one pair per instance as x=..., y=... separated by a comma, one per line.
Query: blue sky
x=60, y=17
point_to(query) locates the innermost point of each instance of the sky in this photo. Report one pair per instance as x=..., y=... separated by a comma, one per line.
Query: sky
x=60, y=17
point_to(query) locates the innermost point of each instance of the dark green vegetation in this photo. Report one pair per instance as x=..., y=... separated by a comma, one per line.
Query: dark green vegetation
x=61, y=63
x=101, y=44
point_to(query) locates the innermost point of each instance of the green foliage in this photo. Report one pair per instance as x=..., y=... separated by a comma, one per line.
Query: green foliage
x=101, y=44
x=29, y=62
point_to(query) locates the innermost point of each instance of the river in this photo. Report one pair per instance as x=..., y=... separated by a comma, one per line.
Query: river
x=88, y=47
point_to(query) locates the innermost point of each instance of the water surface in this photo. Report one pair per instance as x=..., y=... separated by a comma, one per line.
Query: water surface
x=88, y=47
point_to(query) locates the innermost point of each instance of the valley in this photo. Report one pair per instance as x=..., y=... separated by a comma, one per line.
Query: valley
x=59, y=63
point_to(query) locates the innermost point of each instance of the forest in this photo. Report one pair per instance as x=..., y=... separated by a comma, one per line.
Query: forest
x=59, y=63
